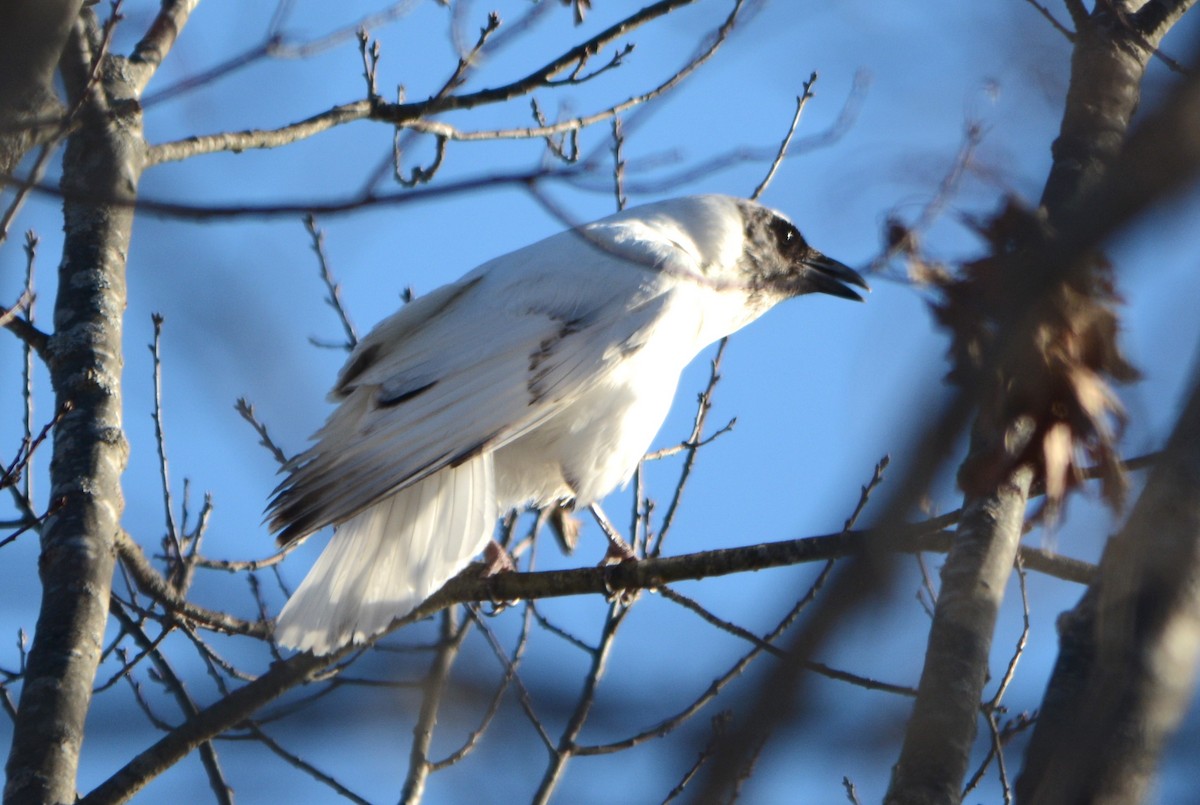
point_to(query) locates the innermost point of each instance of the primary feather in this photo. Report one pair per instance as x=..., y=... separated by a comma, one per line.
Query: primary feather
x=539, y=377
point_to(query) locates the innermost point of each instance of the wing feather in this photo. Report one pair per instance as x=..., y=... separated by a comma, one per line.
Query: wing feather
x=467, y=369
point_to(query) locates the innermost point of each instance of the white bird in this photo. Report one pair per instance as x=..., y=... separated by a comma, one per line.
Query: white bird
x=541, y=377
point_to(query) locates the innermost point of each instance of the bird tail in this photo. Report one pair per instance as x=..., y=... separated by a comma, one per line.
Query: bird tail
x=384, y=561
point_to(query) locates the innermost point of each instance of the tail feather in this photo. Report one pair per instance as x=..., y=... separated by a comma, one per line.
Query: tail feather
x=386, y=560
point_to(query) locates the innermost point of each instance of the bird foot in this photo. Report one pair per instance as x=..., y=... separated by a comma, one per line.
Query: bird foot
x=496, y=561
x=618, y=553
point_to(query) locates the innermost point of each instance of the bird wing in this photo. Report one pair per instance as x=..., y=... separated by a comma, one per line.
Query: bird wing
x=476, y=364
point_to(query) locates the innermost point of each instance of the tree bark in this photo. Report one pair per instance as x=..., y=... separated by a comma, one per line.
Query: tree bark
x=1112, y=47
x=31, y=38
x=1127, y=662
x=101, y=168
x=938, y=741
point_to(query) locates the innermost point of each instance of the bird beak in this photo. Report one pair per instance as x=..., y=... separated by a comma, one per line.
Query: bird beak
x=831, y=277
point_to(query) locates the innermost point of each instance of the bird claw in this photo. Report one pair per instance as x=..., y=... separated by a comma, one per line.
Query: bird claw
x=496, y=561
x=614, y=557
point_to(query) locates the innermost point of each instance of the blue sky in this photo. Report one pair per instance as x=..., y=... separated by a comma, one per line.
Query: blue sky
x=821, y=388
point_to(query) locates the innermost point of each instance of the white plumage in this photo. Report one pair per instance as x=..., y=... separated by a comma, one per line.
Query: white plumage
x=539, y=377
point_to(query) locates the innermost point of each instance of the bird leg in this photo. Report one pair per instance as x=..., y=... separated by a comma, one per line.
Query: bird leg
x=496, y=560
x=618, y=552
x=618, y=549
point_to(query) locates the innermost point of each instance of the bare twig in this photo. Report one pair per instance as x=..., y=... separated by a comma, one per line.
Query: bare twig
x=753, y=639
x=1058, y=26
x=510, y=670
x=235, y=566
x=8, y=314
x=719, y=722
x=25, y=185
x=406, y=114
x=333, y=299
x=694, y=443
x=567, y=745
x=903, y=239
x=174, y=685
x=175, y=559
x=23, y=327
x=246, y=410
x=151, y=583
x=801, y=101
x=367, y=22
x=453, y=632
x=300, y=763
x=674, y=721
x=618, y=163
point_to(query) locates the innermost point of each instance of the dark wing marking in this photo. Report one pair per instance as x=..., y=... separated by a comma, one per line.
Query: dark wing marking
x=389, y=400
x=360, y=363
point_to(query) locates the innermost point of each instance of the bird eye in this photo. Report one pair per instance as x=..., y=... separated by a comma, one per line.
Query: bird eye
x=786, y=235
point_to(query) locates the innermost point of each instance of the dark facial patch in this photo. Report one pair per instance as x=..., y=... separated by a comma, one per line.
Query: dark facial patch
x=791, y=244
x=779, y=262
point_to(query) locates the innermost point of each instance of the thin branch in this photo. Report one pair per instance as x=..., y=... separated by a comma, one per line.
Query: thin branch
x=174, y=685
x=523, y=696
x=453, y=632
x=1058, y=26
x=567, y=741
x=213, y=74
x=175, y=561
x=618, y=163
x=150, y=582
x=903, y=239
x=235, y=566
x=1022, y=640
x=801, y=101
x=672, y=722
x=300, y=763
x=755, y=640
x=406, y=114
x=510, y=670
x=334, y=300
x=12, y=313
x=646, y=573
x=28, y=183
x=149, y=53
x=367, y=22
x=239, y=141
x=694, y=442
x=27, y=368
x=246, y=411
x=719, y=723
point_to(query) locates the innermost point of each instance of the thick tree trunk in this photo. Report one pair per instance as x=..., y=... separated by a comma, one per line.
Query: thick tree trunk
x=1127, y=663
x=1109, y=61
x=101, y=168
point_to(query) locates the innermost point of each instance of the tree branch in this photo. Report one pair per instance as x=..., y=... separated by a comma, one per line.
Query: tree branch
x=1123, y=679
x=1090, y=195
x=149, y=53
x=89, y=447
x=416, y=115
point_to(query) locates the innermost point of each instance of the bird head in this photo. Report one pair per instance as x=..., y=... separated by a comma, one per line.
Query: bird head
x=778, y=262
